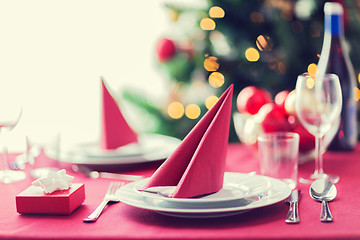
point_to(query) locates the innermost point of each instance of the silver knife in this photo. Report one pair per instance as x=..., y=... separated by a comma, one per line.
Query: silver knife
x=293, y=200
x=95, y=174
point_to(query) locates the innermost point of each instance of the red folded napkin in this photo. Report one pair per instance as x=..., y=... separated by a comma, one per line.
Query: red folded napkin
x=197, y=166
x=115, y=130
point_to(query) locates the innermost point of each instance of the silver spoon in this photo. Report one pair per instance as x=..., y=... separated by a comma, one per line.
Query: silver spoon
x=323, y=190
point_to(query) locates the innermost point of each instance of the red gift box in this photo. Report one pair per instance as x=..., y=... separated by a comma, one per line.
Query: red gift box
x=34, y=200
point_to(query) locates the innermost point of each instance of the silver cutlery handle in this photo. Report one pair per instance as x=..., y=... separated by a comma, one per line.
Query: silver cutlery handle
x=96, y=213
x=293, y=214
x=325, y=215
x=119, y=176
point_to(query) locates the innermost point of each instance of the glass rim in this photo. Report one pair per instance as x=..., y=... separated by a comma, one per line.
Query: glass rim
x=326, y=75
x=286, y=136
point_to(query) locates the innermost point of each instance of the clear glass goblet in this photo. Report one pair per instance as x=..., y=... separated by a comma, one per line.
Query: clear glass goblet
x=318, y=106
x=10, y=114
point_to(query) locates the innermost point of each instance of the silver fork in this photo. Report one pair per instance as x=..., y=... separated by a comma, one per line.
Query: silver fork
x=109, y=197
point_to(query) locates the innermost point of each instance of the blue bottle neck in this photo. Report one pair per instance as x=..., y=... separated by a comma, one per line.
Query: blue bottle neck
x=334, y=25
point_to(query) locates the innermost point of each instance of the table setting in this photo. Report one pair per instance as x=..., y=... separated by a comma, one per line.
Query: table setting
x=249, y=139
x=201, y=187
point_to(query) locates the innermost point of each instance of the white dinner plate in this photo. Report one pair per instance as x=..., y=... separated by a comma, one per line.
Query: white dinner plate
x=235, y=186
x=278, y=191
x=151, y=147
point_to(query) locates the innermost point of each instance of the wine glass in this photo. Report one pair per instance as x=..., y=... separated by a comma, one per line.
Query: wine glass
x=10, y=113
x=318, y=106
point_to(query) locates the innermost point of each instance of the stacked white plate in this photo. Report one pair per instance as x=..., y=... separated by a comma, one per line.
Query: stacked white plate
x=151, y=147
x=241, y=192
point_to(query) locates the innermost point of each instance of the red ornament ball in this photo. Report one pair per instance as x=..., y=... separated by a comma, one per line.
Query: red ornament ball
x=166, y=49
x=251, y=99
x=280, y=99
x=272, y=118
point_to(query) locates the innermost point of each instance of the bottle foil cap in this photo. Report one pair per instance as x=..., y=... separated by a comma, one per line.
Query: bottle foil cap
x=332, y=8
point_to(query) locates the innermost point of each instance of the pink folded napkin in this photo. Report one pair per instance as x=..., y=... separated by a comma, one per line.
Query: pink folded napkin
x=197, y=166
x=115, y=130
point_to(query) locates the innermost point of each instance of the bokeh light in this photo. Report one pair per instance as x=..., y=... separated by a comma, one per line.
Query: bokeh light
x=207, y=24
x=257, y=17
x=281, y=67
x=264, y=43
x=359, y=78
x=312, y=68
x=211, y=64
x=216, y=12
x=357, y=94
x=310, y=83
x=192, y=111
x=216, y=79
x=252, y=54
x=175, y=110
x=174, y=15
x=210, y=101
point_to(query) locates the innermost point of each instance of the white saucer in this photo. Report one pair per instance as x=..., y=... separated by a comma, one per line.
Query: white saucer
x=235, y=186
x=151, y=147
x=278, y=191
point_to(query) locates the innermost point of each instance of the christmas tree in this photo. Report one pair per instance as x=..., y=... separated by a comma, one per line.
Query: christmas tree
x=265, y=43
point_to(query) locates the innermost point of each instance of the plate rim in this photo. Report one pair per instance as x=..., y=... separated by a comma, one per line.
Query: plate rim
x=263, y=202
x=128, y=159
x=187, y=201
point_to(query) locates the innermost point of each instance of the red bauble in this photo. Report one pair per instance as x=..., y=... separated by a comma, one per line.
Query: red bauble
x=251, y=99
x=280, y=100
x=307, y=140
x=166, y=49
x=272, y=118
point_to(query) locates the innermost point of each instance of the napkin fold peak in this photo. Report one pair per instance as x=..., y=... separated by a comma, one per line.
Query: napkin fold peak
x=115, y=131
x=197, y=166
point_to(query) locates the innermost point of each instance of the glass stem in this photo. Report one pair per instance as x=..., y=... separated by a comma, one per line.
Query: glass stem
x=3, y=153
x=5, y=158
x=4, y=150
x=318, y=159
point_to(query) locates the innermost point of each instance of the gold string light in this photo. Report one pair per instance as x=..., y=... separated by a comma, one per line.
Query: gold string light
x=216, y=12
x=192, y=111
x=175, y=110
x=216, y=79
x=310, y=82
x=211, y=64
x=264, y=43
x=357, y=94
x=174, y=15
x=210, y=101
x=312, y=68
x=252, y=55
x=207, y=24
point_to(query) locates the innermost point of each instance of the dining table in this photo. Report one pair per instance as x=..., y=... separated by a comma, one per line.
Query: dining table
x=122, y=221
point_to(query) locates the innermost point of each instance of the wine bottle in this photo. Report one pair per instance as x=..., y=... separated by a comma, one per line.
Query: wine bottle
x=334, y=58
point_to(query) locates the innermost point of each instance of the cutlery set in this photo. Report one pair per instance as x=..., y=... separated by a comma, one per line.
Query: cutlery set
x=321, y=190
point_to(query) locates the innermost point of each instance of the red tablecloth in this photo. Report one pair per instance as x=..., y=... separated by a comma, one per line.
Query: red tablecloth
x=121, y=221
